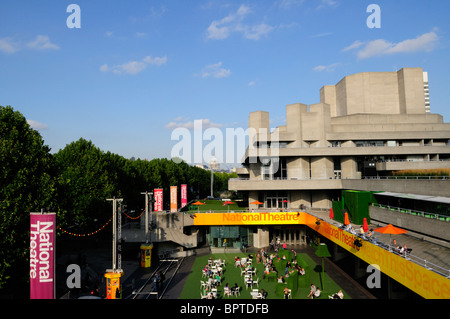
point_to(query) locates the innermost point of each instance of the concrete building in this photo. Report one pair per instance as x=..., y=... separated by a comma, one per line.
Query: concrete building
x=366, y=126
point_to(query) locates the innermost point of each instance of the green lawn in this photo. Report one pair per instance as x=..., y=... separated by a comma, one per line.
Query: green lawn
x=192, y=287
x=214, y=206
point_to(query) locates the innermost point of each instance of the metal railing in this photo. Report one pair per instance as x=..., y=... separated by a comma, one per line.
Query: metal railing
x=409, y=177
x=374, y=240
x=413, y=212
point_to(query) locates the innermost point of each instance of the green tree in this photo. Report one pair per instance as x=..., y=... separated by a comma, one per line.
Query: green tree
x=26, y=185
x=86, y=178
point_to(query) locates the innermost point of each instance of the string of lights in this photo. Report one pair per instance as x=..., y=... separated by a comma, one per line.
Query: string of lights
x=98, y=230
x=87, y=234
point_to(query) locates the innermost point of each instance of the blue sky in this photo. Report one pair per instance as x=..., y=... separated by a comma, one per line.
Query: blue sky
x=137, y=69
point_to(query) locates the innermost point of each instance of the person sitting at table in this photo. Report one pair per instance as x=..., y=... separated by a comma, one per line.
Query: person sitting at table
x=262, y=294
x=207, y=270
x=235, y=288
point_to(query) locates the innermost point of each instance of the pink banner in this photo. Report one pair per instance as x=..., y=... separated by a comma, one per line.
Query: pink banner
x=183, y=195
x=42, y=250
x=158, y=193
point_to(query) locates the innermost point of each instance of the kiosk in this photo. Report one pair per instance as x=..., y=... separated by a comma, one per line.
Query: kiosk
x=146, y=255
x=113, y=285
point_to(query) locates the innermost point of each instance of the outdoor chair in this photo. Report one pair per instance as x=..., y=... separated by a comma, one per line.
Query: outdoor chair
x=227, y=292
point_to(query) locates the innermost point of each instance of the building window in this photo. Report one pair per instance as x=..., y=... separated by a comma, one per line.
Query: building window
x=275, y=169
x=335, y=143
x=369, y=143
x=276, y=200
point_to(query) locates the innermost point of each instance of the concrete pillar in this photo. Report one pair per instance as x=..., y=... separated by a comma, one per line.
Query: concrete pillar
x=322, y=167
x=349, y=167
x=261, y=237
x=253, y=196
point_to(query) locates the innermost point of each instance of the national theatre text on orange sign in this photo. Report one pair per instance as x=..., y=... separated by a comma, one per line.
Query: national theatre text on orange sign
x=265, y=218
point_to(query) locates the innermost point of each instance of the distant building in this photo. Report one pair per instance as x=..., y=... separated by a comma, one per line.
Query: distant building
x=368, y=124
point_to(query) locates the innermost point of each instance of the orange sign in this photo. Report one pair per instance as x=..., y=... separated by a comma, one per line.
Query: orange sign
x=173, y=199
x=261, y=218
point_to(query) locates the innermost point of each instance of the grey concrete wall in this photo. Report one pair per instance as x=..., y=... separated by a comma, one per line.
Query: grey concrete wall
x=424, y=226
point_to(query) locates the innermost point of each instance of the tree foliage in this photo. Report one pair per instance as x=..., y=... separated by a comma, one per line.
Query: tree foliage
x=75, y=183
x=26, y=185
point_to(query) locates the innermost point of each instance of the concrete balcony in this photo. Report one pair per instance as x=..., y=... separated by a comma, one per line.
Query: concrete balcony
x=432, y=186
x=283, y=184
x=400, y=165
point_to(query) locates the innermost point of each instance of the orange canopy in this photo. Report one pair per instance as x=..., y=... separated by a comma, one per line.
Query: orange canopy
x=256, y=203
x=346, y=219
x=198, y=203
x=389, y=229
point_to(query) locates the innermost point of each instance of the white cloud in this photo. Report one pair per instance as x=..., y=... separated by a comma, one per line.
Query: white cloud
x=327, y=68
x=222, y=29
x=425, y=42
x=354, y=45
x=327, y=3
x=156, y=60
x=255, y=32
x=42, y=42
x=205, y=124
x=37, y=125
x=288, y=4
x=8, y=45
x=320, y=35
x=216, y=71
x=134, y=67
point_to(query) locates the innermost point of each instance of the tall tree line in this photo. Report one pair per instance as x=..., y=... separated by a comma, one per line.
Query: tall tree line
x=75, y=183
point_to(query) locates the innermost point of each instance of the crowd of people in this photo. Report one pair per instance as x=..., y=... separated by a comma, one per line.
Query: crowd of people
x=214, y=269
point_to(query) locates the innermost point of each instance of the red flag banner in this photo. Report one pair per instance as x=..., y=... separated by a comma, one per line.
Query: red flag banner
x=158, y=193
x=42, y=251
x=183, y=195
